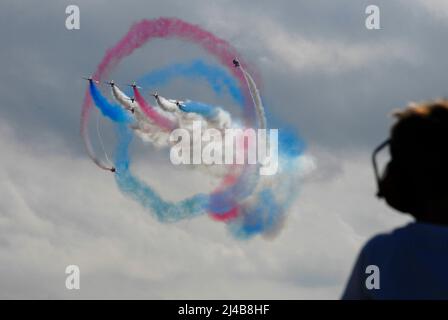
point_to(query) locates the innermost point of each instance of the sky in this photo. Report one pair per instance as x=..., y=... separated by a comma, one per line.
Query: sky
x=322, y=72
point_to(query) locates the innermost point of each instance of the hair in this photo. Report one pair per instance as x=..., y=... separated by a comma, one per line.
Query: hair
x=419, y=155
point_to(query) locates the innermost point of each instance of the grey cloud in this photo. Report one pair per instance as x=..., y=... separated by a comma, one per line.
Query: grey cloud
x=77, y=216
x=57, y=209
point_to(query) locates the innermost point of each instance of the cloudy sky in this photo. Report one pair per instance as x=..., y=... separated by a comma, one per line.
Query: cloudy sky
x=322, y=72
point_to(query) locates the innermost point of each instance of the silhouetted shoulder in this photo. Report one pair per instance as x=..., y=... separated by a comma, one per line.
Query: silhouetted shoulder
x=385, y=246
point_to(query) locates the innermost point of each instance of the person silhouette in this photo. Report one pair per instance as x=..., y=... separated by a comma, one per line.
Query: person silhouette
x=411, y=262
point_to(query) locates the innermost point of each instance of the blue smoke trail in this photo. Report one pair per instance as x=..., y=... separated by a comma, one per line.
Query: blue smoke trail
x=268, y=212
x=220, y=81
x=113, y=111
x=262, y=216
x=218, y=78
x=205, y=110
x=165, y=211
x=289, y=143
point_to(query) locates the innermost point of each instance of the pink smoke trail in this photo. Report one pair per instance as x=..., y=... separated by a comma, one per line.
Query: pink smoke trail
x=146, y=30
x=228, y=179
x=227, y=216
x=148, y=109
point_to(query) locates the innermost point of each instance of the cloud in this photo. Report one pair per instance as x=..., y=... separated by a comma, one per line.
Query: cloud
x=300, y=54
x=437, y=8
x=292, y=50
x=296, y=52
x=330, y=79
x=57, y=210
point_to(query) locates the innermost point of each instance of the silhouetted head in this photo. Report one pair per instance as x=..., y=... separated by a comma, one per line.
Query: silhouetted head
x=415, y=180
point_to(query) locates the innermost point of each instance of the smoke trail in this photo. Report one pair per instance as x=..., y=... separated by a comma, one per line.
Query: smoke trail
x=255, y=94
x=146, y=30
x=205, y=110
x=222, y=203
x=144, y=127
x=216, y=77
x=245, y=203
x=260, y=217
x=215, y=117
x=248, y=206
x=122, y=98
x=249, y=179
x=163, y=122
x=100, y=137
x=165, y=211
x=233, y=189
x=219, y=80
x=113, y=111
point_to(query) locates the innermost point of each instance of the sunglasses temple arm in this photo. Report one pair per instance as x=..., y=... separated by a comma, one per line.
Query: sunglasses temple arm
x=375, y=166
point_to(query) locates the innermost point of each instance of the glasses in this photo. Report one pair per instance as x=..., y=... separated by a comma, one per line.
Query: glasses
x=375, y=163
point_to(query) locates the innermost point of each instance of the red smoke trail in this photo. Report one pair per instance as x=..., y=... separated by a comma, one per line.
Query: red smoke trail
x=227, y=216
x=146, y=30
x=149, y=110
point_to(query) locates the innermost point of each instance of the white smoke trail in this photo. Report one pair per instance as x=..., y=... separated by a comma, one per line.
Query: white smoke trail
x=144, y=127
x=149, y=132
x=188, y=121
x=255, y=94
x=100, y=138
x=221, y=121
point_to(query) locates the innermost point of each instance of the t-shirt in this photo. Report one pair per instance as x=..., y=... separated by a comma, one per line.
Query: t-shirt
x=412, y=263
